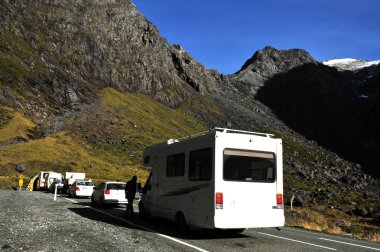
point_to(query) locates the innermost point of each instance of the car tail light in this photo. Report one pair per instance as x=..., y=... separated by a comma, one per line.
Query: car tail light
x=279, y=200
x=219, y=200
x=107, y=191
x=77, y=188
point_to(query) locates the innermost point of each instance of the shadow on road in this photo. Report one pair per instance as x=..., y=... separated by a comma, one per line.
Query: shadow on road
x=150, y=224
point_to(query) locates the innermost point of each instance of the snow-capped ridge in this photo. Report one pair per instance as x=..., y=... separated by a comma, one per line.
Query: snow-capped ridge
x=350, y=64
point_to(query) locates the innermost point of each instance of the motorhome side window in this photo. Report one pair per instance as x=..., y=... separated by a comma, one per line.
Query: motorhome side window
x=249, y=166
x=175, y=165
x=200, y=165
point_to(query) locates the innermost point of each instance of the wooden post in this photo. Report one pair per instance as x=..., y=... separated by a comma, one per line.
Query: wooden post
x=291, y=202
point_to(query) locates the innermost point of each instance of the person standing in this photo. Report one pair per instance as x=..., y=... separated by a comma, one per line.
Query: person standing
x=20, y=182
x=130, y=192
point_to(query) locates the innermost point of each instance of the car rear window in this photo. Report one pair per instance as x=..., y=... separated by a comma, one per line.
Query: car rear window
x=116, y=186
x=85, y=183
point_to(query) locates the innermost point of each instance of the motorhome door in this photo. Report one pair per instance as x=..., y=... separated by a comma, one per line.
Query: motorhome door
x=155, y=185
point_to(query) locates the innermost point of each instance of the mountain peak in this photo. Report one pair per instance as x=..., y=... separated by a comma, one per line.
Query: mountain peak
x=267, y=63
x=282, y=58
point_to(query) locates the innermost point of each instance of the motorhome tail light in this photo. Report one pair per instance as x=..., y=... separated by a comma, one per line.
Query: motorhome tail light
x=219, y=200
x=107, y=191
x=77, y=188
x=280, y=201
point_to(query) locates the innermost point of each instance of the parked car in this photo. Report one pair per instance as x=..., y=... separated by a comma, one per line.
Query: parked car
x=81, y=188
x=70, y=178
x=59, y=184
x=111, y=192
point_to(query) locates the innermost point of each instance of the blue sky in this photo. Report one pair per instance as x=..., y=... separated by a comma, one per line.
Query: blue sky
x=223, y=34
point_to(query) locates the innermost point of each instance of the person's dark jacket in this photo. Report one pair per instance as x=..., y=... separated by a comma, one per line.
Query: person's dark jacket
x=130, y=188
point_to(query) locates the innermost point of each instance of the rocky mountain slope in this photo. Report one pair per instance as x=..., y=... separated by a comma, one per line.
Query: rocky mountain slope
x=86, y=86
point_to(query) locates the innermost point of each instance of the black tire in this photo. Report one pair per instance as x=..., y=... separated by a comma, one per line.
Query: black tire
x=142, y=212
x=182, y=226
x=69, y=194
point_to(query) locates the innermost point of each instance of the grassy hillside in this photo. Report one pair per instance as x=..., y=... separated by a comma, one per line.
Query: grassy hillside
x=105, y=141
x=13, y=125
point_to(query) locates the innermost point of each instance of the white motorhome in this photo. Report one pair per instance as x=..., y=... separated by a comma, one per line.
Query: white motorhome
x=223, y=178
x=45, y=179
x=51, y=177
x=39, y=182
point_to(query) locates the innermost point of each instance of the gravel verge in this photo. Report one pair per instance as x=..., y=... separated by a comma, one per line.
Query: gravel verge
x=32, y=221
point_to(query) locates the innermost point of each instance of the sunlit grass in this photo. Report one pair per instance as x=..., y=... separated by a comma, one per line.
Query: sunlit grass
x=136, y=119
x=18, y=126
x=139, y=111
x=62, y=153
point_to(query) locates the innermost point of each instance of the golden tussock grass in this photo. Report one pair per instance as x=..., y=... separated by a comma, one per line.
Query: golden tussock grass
x=18, y=126
x=135, y=118
x=372, y=237
x=325, y=220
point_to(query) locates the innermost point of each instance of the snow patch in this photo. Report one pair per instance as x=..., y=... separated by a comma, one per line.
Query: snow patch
x=350, y=64
x=338, y=61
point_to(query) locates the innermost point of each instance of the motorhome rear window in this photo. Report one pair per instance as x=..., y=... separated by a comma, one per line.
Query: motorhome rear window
x=249, y=166
x=200, y=165
x=175, y=165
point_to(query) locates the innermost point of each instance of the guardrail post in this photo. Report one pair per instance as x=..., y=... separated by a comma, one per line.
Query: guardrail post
x=55, y=192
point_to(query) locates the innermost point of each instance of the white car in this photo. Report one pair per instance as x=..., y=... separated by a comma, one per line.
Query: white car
x=81, y=188
x=112, y=192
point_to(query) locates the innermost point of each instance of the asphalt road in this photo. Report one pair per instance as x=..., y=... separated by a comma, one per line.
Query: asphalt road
x=265, y=239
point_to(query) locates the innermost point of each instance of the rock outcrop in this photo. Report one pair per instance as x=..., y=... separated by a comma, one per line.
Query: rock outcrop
x=68, y=50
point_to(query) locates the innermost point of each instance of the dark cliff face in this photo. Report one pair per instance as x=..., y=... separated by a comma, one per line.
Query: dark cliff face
x=68, y=50
x=317, y=101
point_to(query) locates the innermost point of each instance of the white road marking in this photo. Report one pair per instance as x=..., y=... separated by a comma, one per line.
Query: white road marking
x=145, y=228
x=352, y=244
x=311, y=244
x=72, y=200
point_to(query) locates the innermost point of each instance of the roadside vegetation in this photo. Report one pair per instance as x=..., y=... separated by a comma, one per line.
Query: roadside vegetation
x=332, y=221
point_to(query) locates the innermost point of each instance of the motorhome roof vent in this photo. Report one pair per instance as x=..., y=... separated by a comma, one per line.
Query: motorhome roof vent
x=172, y=141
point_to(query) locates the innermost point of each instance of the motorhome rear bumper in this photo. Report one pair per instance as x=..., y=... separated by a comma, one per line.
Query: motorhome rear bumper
x=225, y=221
